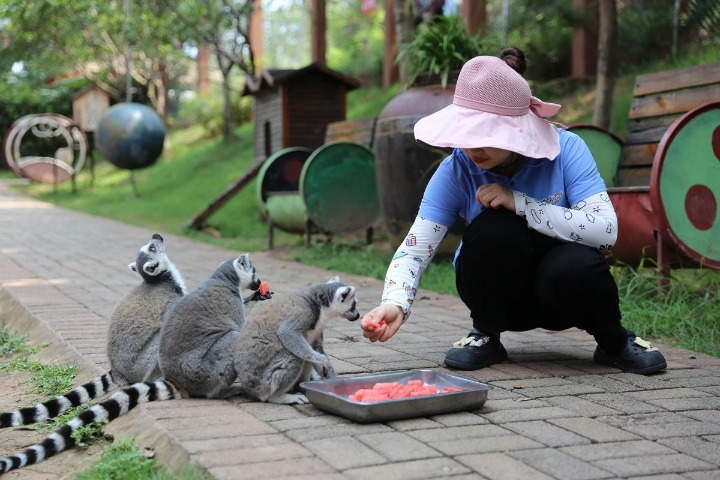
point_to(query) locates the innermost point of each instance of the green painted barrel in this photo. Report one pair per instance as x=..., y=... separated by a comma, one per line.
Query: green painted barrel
x=605, y=147
x=338, y=187
x=685, y=185
x=278, y=192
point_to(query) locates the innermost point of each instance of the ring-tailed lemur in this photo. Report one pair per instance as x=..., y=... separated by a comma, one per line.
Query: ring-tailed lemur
x=192, y=325
x=199, y=331
x=133, y=336
x=282, y=344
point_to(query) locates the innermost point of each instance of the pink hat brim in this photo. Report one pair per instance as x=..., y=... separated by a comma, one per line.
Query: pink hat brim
x=461, y=127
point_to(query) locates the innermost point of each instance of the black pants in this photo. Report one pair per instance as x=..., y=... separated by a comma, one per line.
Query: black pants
x=514, y=278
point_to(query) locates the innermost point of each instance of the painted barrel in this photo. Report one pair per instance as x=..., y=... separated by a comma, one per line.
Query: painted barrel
x=605, y=147
x=685, y=185
x=278, y=187
x=337, y=185
x=404, y=166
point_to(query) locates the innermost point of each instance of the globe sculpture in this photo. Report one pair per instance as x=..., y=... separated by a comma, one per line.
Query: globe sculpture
x=130, y=136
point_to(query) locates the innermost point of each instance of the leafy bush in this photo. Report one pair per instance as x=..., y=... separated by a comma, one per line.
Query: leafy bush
x=439, y=48
x=207, y=110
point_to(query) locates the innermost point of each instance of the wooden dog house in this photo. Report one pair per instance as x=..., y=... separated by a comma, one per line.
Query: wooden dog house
x=293, y=107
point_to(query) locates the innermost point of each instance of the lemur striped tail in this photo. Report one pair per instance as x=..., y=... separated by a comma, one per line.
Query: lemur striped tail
x=119, y=404
x=95, y=388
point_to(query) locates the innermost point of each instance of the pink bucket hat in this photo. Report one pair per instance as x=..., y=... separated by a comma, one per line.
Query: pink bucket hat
x=493, y=107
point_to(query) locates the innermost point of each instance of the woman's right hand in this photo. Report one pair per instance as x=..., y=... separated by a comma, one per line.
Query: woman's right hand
x=382, y=322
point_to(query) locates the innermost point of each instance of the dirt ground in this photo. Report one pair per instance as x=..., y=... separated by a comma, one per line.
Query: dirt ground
x=14, y=393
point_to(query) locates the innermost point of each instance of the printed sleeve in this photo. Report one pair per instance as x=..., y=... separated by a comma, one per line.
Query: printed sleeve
x=409, y=262
x=591, y=221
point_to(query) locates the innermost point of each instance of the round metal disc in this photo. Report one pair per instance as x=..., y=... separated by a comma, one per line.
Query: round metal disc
x=685, y=185
x=605, y=147
x=339, y=188
x=281, y=172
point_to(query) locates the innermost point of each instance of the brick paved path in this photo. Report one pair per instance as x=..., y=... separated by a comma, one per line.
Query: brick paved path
x=553, y=413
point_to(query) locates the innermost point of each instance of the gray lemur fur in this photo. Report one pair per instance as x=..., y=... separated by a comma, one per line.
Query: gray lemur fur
x=134, y=332
x=281, y=344
x=133, y=336
x=199, y=331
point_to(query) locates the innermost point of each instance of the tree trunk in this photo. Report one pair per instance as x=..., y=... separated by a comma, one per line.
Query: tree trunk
x=225, y=68
x=404, y=28
x=602, y=115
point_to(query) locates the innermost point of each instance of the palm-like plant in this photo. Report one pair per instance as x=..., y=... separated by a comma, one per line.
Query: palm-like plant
x=439, y=48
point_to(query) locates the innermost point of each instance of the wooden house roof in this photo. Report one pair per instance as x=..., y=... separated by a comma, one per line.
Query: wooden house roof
x=272, y=78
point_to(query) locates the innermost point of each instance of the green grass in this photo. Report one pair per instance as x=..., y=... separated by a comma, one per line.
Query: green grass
x=46, y=380
x=123, y=460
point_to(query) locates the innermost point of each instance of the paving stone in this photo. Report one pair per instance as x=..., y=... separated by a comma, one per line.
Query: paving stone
x=449, y=434
x=668, y=393
x=522, y=414
x=498, y=466
x=679, y=429
x=592, y=429
x=414, y=470
x=679, y=404
x=558, y=464
x=398, y=447
x=343, y=453
x=546, y=433
x=503, y=443
x=622, y=402
x=253, y=471
x=696, y=447
x=652, y=465
x=605, y=450
x=579, y=405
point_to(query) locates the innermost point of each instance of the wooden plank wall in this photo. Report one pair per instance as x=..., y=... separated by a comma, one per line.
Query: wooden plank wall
x=658, y=100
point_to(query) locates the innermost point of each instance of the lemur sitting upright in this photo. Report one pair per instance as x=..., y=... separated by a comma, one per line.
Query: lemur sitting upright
x=281, y=344
x=133, y=336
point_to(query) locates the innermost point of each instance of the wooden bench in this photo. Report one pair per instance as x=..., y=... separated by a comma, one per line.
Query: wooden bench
x=663, y=103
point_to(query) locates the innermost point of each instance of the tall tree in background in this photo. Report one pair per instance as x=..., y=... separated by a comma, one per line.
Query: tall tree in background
x=224, y=27
x=602, y=115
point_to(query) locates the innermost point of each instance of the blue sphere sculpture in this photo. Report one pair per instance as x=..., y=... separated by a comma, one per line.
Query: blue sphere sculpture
x=130, y=136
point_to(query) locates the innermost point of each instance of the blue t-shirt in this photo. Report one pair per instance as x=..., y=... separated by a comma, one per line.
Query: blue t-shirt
x=572, y=176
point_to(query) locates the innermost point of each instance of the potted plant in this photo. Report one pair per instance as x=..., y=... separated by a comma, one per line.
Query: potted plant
x=438, y=49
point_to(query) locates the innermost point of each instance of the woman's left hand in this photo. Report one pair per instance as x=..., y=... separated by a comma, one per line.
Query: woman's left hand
x=494, y=195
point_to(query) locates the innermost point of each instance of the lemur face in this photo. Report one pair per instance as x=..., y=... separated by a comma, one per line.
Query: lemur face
x=151, y=259
x=247, y=277
x=345, y=303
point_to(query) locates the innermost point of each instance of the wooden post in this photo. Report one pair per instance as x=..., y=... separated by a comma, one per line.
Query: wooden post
x=317, y=31
x=585, y=39
x=474, y=13
x=390, y=69
x=203, y=68
x=256, y=35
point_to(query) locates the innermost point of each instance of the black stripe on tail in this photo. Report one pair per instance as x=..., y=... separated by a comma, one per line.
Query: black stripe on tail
x=95, y=388
x=105, y=412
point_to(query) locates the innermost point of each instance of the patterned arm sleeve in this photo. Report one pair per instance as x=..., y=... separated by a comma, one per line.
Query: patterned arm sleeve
x=409, y=262
x=591, y=221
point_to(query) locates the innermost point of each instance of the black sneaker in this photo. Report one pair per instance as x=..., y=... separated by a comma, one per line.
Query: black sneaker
x=475, y=351
x=638, y=356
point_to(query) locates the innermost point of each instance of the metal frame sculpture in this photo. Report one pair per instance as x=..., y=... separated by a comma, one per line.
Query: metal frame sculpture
x=66, y=162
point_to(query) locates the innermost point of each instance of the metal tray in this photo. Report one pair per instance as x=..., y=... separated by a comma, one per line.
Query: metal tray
x=332, y=395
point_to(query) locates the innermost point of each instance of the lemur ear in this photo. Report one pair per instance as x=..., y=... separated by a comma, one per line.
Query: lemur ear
x=345, y=292
x=334, y=279
x=132, y=266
